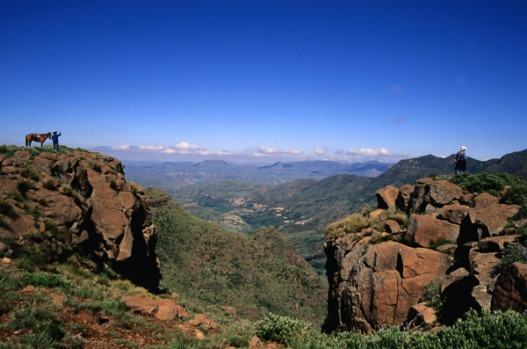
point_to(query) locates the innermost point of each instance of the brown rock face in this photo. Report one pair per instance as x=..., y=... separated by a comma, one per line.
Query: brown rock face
x=425, y=230
x=403, y=199
x=510, y=292
x=433, y=193
x=78, y=203
x=372, y=285
x=386, y=196
x=489, y=215
x=162, y=309
x=377, y=284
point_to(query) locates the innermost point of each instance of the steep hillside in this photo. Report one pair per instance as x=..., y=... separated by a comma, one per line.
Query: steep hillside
x=77, y=207
x=254, y=274
x=511, y=163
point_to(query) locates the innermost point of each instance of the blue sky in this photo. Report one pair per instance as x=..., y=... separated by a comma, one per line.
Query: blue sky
x=267, y=80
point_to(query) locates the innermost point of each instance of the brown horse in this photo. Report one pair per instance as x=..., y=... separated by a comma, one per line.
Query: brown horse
x=37, y=137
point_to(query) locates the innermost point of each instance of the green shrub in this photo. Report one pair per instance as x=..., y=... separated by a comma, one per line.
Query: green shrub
x=516, y=252
x=113, y=307
x=45, y=279
x=50, y=184
x=45, y=327
x=484, y=330
x=516, y=195
x=8, y=291
x=492, y=183
x=96, y=167
x=67, y=190
x=24, y=186
x=7, y=209
x=281, y=329
x=30, y=173
x=363, y=223
x=349, y=225
x=8, y=151
x=432, y=295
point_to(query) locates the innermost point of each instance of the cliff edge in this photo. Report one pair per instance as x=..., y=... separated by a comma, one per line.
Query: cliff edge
x=75, y=205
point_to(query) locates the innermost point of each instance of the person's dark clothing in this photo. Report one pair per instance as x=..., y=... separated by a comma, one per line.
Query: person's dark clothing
x=461, y=162
x=55, y=139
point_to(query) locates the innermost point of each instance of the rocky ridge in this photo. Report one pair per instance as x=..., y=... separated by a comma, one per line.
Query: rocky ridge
x=76, y=205
x=387, y=272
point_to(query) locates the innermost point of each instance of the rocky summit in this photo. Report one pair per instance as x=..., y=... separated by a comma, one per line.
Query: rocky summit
x=76, y=205
x=429, y=252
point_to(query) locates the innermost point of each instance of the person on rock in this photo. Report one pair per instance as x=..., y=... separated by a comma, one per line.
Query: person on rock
x=461, y=161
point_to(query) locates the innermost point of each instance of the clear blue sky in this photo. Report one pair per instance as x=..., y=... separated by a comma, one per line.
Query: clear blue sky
x=289, y=79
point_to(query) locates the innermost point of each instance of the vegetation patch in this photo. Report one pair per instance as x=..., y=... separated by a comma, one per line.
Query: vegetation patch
x=494, y=184
x=365, y=224
x=516, y=252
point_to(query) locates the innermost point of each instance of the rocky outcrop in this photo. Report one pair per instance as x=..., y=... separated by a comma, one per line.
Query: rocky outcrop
x=77, y=205
x=161, y=308
x=452, y=244
x=510, y=292
x=376, y=284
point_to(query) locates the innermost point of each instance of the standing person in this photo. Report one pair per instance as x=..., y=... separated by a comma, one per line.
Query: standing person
x=55, y=139
x=461, y=161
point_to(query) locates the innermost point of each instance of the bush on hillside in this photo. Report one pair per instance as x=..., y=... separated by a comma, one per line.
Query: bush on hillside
x=363, y=223
x=494, y=184
x=282, y=329
x=516, y=252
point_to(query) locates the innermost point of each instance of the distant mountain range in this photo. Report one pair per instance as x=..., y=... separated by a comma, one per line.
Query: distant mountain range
x=301, y=208
x=174, y=175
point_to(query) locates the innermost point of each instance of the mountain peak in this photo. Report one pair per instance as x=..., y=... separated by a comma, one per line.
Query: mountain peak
x=212, y=163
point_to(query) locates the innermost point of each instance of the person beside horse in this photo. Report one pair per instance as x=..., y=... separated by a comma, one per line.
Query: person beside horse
x=55, y=139
x=37, y=137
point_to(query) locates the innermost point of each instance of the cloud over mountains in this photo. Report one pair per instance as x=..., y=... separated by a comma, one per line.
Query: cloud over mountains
x=186, y=151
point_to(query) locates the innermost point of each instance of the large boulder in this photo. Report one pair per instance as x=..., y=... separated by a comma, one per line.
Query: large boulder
x=386, y=196
x=427, y=230
x=377, y=284
x=510, y=291
x=435, y=193
x=490, y=216
x=403, y=198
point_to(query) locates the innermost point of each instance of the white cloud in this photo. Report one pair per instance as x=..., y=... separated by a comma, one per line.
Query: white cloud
x=169, y=151
x=122, y=147
x=182, y=148
x=213, y=153
x=267, y=151
x=186, y=146
x=369, y=152
x=151, y=147
x=319, y=151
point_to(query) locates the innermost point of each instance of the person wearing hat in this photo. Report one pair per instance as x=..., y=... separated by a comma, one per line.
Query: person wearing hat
x=461, y=161
x=55, y=139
